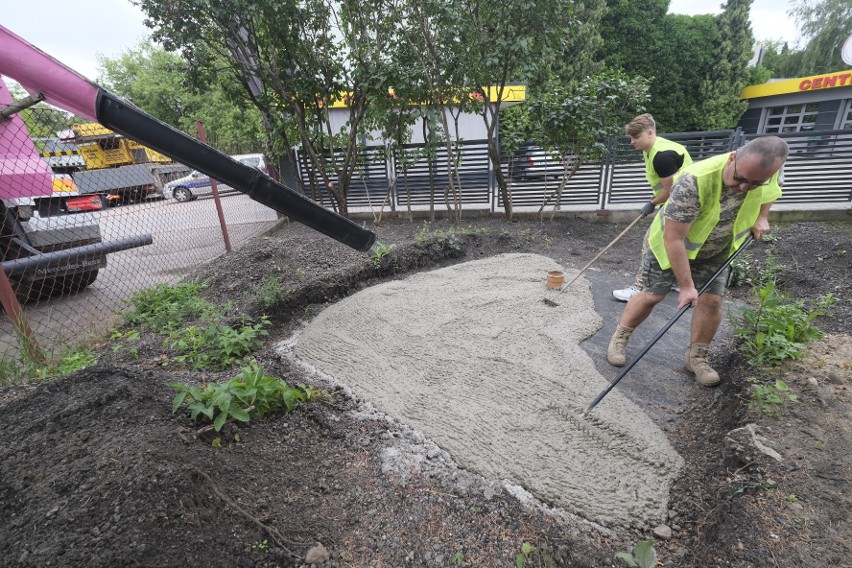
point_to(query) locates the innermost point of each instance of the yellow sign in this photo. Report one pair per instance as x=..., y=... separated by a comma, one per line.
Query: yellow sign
x=800, y=85
x=511, y=94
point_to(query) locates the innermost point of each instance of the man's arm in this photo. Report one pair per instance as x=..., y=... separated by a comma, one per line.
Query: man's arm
x=761, y=226
x=663, y=196
x=673, y=239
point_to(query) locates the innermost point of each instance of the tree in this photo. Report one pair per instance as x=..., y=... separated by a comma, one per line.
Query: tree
x=295, y=59
x=673, y=51
x=574, y=121
x=161, y=84
x=515, y=42
x=826, y=24
x=727, y=76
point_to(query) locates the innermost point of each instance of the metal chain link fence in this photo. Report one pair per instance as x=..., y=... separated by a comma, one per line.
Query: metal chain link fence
x=89, y=218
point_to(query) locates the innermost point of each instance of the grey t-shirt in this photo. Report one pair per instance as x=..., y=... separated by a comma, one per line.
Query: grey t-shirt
x=683, y=207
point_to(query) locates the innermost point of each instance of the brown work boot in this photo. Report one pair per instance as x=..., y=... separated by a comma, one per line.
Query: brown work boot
x=696, y=361
x=616, y=353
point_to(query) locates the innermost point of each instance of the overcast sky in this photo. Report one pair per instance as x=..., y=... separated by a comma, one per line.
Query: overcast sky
x=75, y=32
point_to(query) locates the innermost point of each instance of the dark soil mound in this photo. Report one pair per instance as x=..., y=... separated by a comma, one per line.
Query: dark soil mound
x=96, y=471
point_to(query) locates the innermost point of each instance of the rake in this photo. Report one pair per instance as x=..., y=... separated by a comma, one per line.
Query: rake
x=665, y=328
x=550, y=302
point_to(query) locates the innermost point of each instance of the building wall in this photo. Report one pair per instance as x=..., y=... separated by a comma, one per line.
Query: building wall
x=773, y=106
x=470, y=127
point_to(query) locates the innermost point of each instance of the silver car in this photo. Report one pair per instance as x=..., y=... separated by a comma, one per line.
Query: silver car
x=196, y=183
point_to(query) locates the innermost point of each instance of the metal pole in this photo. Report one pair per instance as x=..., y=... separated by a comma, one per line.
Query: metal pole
x=666, y=327
x=215, y=187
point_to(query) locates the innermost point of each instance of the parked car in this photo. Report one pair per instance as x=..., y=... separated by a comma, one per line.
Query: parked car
x=534, y=162
x=196, y=183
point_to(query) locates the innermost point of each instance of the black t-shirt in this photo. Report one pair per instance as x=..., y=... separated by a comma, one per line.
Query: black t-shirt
x=667, y=163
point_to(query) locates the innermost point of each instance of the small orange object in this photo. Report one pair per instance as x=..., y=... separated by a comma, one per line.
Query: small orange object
x=555, y=279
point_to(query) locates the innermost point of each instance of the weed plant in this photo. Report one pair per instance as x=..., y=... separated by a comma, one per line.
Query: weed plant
x=164, y=308
x=446, y=239
x=747, y=271
x=643, y=555
x=534, y=556
x=250, y=395
x=217, y=345
x=380, y=251
x=778, y=328
x=26, y=370
x=270, y=292
x=771, y=398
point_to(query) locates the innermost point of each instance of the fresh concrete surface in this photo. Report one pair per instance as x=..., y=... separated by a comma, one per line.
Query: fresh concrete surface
x=474, y=358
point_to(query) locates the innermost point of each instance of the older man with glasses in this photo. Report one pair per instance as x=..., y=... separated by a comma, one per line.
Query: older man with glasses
x=713, y=206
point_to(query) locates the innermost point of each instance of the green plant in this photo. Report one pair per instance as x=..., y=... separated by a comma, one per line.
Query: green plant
x=70, y=358
x=128, y=337
x=771, y=398
x=529, y=554
x=270, y=292
x=747, y=271
x=457, y=559
x=262, y=545
x=379, y=252
x=548, y=242
x=300, y=274
x=643, y=556
x=164, y=308
x=446, y=239
x=248, y=396
x=217, y=345
x=777, y=328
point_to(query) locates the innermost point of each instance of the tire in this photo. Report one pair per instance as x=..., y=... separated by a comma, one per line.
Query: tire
x=182, y=194
x=76, y=282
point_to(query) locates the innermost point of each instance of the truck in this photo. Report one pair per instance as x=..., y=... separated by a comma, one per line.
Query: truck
x=107, y=164
x=50, y=237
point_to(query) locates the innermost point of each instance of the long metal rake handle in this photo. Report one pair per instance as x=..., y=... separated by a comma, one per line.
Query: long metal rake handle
x=606, y=248
x=665, y=328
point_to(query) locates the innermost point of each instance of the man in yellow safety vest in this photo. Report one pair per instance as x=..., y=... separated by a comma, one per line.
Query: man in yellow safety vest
x=713, y=206
x=663, y=159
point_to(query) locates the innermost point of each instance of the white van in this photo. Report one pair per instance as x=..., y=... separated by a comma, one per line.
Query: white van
x=196, y=183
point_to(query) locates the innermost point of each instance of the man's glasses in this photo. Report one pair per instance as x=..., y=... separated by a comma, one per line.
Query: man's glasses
x=744, y=181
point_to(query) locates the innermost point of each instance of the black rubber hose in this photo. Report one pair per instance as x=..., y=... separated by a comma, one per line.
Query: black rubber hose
x=122, y=117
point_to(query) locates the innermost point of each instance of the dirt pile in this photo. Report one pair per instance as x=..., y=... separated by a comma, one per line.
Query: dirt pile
x=96, y=471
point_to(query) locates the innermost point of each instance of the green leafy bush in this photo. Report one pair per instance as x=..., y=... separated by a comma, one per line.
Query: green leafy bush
x=379, y=252
x=164, y=308
x=771, y=398
x=778, y=327
x=216, y=345
x=249, y=395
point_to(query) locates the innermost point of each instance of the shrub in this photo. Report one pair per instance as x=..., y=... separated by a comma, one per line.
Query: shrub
x=249, y=395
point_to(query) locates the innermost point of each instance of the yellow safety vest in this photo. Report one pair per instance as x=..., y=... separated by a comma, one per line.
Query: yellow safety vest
x=708, y=174
x=662, y=145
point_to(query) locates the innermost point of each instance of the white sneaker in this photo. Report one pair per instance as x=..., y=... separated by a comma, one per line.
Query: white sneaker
x=625, y=294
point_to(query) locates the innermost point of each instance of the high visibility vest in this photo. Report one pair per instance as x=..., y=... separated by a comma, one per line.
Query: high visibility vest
x=662, y=145
x=708, y=174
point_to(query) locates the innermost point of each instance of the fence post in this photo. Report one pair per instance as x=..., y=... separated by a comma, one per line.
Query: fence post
x=13, y=309
x=203, y=137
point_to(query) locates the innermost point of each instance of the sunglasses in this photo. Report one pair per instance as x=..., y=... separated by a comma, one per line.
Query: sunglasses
x=744, y=181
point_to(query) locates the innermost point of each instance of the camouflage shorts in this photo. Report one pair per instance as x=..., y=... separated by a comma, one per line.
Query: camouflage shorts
x=659, y=282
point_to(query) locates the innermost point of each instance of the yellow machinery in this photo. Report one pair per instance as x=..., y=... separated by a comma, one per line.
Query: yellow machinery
x=103, y=148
